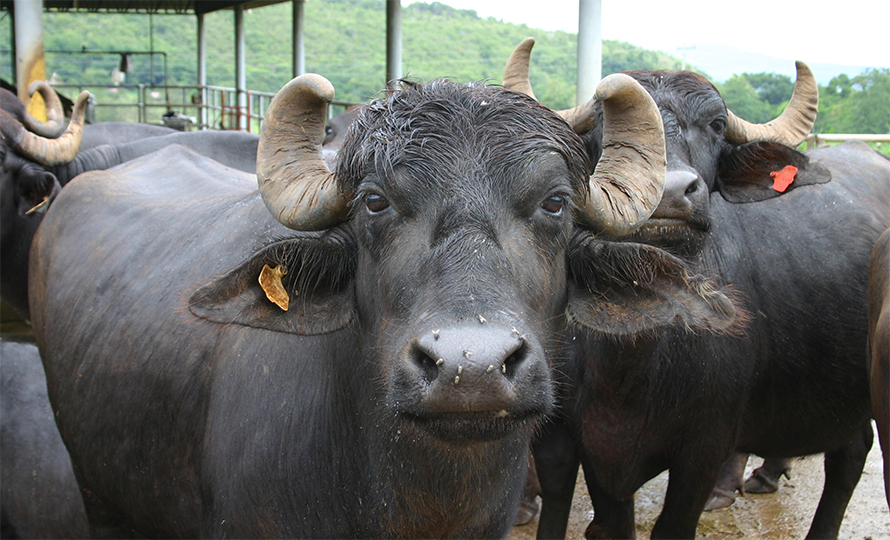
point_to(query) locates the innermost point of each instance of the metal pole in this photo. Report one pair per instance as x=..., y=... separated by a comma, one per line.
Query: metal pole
x=299, y=39
x=30, y=65
x=590, y=49
x=393, y=40
x=240, y=66
x=202, y=69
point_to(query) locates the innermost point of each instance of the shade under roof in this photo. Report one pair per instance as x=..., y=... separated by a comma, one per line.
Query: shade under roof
x=184, y=7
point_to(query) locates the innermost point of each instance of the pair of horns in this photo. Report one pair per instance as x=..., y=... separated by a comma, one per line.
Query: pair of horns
x=790, y=128
x=301, y=192
x=49, y=143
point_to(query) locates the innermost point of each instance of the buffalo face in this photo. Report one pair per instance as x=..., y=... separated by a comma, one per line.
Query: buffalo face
x=709, y=153
x=460, y=280
x=708, y=149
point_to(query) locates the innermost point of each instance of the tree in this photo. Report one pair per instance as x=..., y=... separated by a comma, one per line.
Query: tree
x=744, y=101
x=771, y=87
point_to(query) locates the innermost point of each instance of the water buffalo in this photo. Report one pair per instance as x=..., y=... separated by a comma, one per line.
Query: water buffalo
x=40, y=498
x=879, y=345
x=35, y=172
x=792, y=381
x=364, y=352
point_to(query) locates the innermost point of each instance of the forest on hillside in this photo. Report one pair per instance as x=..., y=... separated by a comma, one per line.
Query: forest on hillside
x=345, y=42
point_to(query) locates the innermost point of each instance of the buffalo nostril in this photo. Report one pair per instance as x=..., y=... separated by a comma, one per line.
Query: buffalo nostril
x=429, y=366
x=513, y=361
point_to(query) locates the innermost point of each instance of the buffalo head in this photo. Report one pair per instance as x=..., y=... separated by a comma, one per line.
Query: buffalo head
x=450, y=213
x=709, y=149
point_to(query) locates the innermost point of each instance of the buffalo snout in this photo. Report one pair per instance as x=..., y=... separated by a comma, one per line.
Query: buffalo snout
x=474, y=369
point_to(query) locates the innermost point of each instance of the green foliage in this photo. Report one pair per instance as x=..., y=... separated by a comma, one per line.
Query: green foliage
x=742, y=98
x=856, y=105
x=772, y=88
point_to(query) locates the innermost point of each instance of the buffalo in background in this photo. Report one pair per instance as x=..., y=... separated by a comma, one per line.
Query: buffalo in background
x=364, y=352
x=791, y=234
x=40, y=498
x=39, y=158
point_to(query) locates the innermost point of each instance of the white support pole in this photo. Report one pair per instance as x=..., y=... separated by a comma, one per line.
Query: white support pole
x=240, y=67
x=299, y=66
x=202, y=68
x=590, y=49
x=30, y=65
x=393, y=40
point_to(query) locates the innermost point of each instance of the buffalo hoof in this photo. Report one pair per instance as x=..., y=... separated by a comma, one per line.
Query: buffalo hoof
x=764, y=481
x=720, y=499
x=528, y=511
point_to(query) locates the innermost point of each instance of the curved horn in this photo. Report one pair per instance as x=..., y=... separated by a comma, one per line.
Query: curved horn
x=516, y=78
x=516, y=70
x=792, y=126
x=50, y=152
x=55, y=118
x=294, y=180
x=628, y=181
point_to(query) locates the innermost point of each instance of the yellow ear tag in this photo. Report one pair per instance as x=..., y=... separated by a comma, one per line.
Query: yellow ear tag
x=270, y=281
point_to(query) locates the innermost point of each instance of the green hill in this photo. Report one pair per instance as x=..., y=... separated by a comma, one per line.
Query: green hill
x=345, y=42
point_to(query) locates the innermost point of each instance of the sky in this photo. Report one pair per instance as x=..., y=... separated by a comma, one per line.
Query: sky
x=851, y=32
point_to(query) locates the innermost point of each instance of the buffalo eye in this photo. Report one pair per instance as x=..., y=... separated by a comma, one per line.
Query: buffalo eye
x=553, y=204
x=718, y=125
x=376, y=202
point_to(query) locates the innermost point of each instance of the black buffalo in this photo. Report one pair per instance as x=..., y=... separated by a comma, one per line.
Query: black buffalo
x=792, y=381
x=37, y=162
x=38, y=494
x=216, y=373
x=879, y=345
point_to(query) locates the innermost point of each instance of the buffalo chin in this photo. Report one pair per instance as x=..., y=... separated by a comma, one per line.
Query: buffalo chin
x=483, y=426
x=679, y=238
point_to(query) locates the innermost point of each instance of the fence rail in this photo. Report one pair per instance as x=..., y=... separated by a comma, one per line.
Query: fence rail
x=815, y=140
x=196, y=106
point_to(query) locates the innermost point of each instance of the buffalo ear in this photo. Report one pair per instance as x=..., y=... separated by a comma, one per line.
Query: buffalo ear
x=626, y=289
x=752, y=172
x=317, y=283
x=35, y=190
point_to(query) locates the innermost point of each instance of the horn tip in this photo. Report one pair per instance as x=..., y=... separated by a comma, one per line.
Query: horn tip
x=315, y=83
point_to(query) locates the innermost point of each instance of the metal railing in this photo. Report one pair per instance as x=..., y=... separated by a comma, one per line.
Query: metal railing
x=815, y=140
x=196, y=106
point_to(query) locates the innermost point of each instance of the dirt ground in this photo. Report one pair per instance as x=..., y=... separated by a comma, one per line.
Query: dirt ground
x=785, y=514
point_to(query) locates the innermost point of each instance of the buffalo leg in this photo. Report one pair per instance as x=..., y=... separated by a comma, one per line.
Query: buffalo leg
x=612, y=518
x=765, y=479
x=556, y=461
x=843, y=467
x=730, y=480
x=689, y=487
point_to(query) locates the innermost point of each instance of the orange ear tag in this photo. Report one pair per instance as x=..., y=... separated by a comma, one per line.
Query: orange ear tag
x=782, y=179
x=270, y=281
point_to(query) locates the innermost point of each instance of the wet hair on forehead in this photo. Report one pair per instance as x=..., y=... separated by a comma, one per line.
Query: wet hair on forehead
x=443, y=123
